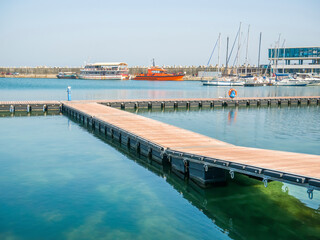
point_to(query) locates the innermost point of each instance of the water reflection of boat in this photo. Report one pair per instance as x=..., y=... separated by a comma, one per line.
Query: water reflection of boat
x=232, y=116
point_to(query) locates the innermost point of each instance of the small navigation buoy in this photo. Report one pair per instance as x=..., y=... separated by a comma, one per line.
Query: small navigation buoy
x=232, y=93
x=69, y=93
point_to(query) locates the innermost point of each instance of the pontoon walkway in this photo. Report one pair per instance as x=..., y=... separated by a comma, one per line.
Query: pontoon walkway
x=204, y=159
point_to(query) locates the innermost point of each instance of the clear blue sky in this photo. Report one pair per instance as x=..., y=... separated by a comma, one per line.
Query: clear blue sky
x=68, y=33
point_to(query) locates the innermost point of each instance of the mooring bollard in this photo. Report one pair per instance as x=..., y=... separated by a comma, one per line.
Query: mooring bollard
x=69, y=93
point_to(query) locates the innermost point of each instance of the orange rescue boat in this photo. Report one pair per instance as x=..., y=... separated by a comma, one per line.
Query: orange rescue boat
x=159, y=74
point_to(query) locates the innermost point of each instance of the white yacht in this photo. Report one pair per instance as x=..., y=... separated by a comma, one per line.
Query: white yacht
x=288, y=80
x=252, y=81
x=224, y=82
x=308, y=77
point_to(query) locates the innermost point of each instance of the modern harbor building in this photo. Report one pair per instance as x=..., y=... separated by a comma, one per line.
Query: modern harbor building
x=294, y=60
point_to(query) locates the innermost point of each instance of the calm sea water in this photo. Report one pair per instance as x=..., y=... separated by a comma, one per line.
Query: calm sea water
x=13, y=89
x=59, y=180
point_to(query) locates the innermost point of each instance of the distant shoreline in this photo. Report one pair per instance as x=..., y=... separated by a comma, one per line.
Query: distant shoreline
x=30, y=76
x=191, y=72
x=54, y=76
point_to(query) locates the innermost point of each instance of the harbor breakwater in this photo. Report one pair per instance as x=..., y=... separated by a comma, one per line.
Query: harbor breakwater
x=191, y=72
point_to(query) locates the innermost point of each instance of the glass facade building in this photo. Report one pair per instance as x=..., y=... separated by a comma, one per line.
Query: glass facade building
x=296, y=59
x=295, y=53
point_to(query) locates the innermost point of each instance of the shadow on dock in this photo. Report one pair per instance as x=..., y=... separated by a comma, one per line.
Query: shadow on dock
x=235, y=207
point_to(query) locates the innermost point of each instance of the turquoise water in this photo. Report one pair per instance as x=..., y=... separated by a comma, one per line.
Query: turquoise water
x=67, y=182
x=59, y=180
x=14, y=89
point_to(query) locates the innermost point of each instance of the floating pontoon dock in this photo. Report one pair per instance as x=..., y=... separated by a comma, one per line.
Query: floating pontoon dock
x=201, y=158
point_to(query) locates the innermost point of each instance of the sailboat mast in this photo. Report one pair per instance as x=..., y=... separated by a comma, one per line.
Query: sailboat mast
x=226, y=69
x=219, y=52
x=239, y=40
x=283, y=56
x=214, y=48
x=247, y=50
x=259, y=53
x=277, y=56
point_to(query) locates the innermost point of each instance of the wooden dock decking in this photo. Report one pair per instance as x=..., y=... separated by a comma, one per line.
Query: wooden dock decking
x=197, y=155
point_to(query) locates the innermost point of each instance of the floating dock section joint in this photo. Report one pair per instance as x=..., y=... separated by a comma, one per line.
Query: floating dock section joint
x=197, y=169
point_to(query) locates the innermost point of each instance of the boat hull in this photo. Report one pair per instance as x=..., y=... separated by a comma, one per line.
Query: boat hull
x=314, y=83
x=160, y=78
x=67, y=77
x=111, y=77
x=221, y=83
x=255, y=84
x=293, y=85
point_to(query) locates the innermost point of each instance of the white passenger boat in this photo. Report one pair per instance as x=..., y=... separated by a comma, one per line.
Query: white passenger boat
x=105, y=71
